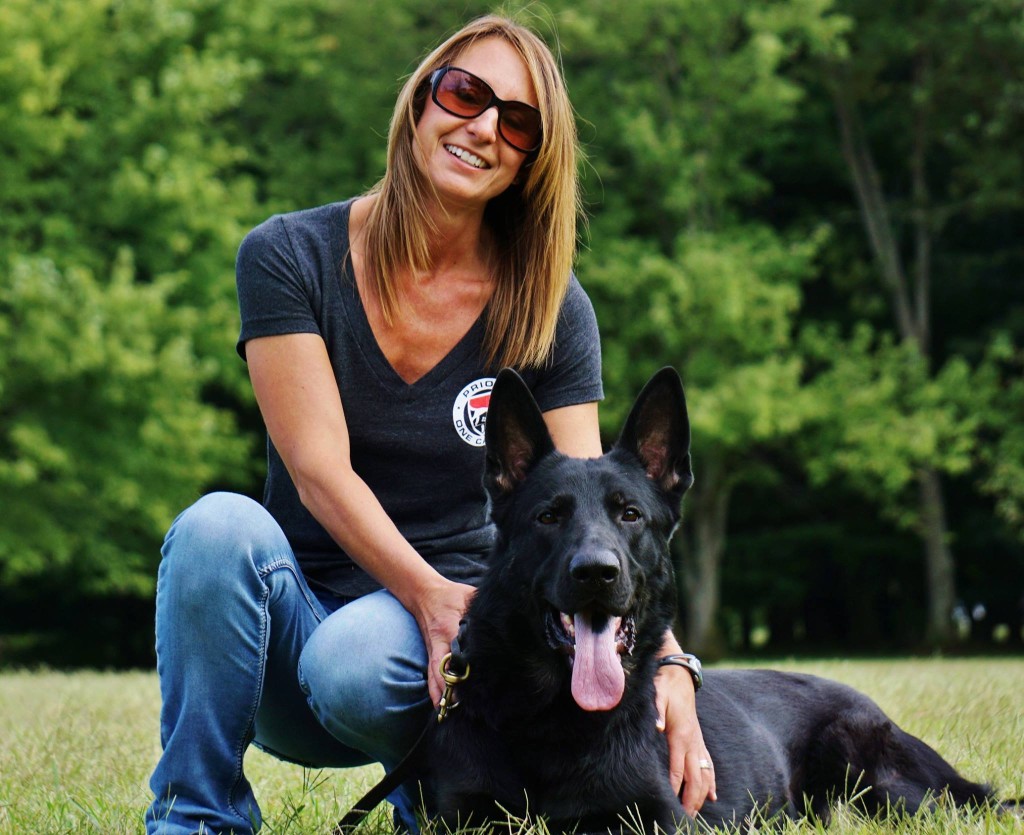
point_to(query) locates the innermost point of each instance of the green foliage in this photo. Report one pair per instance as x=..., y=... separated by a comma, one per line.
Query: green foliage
x=679, y=98
x=934, y=114
x=996, y=394
x=103, y=436
x=121, y=207
x=109, y=134
x=720, y=310
x=895, y=415
x=939, y=70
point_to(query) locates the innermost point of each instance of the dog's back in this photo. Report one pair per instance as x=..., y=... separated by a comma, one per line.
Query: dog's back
x=791, y=743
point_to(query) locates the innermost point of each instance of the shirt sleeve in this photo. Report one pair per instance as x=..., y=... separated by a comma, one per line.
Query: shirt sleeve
x=573, y=375
x=273, y=294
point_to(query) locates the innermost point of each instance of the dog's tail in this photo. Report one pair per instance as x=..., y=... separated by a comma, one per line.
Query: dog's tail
x=1013, y=807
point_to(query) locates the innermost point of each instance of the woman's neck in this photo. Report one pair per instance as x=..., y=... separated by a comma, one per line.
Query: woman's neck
x=460, y=240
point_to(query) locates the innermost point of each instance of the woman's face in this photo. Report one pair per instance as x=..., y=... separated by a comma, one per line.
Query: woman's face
x=467, y=160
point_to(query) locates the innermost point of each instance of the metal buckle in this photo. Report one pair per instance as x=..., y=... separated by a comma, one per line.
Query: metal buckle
x=450, y=679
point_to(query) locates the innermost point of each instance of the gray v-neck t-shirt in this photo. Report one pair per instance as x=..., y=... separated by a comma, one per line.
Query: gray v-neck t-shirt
x=418, y=446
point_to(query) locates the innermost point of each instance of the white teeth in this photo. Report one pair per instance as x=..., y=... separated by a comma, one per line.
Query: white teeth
x=568, y=624
x=466, y=156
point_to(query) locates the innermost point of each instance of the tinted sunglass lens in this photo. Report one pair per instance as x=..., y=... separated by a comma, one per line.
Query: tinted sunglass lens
x=520, y=126
x=462, y=94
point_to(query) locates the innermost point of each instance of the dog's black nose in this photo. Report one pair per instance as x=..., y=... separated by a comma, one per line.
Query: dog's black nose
x=594, y=568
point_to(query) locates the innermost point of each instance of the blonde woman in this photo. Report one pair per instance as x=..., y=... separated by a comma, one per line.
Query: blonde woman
x=313, y=624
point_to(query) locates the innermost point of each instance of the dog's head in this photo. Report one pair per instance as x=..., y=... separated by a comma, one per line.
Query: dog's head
x=583, y=544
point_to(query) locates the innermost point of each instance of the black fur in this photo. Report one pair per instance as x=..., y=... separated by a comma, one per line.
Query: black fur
x=591, y=536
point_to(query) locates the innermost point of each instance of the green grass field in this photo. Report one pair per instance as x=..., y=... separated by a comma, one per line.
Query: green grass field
x=76, y=749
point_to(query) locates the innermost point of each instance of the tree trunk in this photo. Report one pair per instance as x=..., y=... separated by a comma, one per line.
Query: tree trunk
x=874, y=212
x=911, y=311
x=940, y=569
x=701, y=566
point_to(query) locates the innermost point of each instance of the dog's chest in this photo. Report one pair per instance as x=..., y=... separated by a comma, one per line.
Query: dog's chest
x=560, y=769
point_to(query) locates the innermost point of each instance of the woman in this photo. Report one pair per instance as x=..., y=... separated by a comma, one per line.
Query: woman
x=314, y=624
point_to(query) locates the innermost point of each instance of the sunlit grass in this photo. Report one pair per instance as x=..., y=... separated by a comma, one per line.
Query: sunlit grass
x=76, y=749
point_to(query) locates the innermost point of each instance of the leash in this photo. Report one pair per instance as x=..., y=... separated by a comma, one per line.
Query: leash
x=454, y=670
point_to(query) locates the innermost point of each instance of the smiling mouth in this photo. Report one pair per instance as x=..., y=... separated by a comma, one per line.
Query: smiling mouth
x=466, y=156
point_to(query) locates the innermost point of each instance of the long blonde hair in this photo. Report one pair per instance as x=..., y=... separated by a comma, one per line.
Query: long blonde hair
x=533, y=221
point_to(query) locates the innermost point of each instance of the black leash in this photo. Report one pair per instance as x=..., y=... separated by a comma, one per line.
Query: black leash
x=392, y=780
x=454, y=670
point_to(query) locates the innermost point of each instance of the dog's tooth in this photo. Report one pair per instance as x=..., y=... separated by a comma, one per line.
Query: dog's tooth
x=568, y=624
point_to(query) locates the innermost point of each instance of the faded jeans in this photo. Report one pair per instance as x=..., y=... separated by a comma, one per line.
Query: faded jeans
x=247, y=653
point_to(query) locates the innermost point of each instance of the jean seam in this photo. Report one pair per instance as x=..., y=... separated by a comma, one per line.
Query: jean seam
x=254, y=707
x=286, y=562
x=262, y=572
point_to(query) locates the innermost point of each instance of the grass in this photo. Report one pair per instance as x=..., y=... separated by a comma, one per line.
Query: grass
x=76, y=749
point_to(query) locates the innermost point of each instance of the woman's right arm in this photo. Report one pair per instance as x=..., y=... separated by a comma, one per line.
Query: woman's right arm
x=301, y=406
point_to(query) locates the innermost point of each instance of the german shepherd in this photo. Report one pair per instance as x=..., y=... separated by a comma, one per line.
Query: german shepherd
x=557, y=718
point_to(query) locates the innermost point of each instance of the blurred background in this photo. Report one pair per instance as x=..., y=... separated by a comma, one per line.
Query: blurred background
x=812, y=208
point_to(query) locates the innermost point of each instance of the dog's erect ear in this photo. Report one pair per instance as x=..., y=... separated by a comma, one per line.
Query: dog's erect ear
x=657, y=432
x=516, y=434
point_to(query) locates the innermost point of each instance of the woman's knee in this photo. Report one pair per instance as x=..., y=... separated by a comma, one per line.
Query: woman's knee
x=364, y=670
x=223, y=536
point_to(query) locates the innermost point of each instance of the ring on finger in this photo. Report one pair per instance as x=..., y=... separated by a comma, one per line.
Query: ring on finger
x=706, y=764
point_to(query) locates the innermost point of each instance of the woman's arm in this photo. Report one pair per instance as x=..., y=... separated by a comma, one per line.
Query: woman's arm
x=574, y=430
x=301, y=406
x=677, y=719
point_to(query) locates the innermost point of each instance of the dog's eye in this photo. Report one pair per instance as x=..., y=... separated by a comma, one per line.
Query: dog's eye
x=631, y=514
x=548, y=517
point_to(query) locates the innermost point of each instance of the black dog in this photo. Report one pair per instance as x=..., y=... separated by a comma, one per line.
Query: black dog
x=557, y=718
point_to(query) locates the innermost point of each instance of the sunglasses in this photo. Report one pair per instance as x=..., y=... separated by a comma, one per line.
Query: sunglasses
x=464, y=95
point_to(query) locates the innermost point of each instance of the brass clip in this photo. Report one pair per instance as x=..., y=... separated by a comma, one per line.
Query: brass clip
x=450, y=679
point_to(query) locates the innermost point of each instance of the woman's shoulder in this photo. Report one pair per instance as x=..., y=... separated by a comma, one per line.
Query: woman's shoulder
x=317, y=223
x=576, y=305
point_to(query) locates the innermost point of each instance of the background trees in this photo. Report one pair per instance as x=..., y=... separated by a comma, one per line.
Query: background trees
x=679, y=98
x=925, y=104
x=811, y=208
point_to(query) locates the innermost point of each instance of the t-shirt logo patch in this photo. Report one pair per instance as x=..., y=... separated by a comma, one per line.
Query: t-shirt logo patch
x=469, y=414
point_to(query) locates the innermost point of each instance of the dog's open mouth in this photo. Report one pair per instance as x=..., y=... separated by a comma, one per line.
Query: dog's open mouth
x=594, y=643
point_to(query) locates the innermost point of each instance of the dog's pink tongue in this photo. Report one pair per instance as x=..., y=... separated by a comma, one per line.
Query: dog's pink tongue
x=598, y=680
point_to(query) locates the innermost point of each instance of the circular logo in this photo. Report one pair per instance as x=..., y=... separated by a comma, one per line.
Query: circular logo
x=469, y=414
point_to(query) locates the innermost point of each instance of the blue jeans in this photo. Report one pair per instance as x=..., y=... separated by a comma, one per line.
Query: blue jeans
x=246, y=653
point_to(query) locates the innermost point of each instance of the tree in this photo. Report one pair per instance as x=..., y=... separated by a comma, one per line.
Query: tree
x=103, y=439
x=925, y=108
x=119, y=218
x=999, y=380
x=679, y=98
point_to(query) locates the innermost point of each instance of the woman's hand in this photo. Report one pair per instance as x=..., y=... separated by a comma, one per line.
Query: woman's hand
x=438, y=610
x=688, y=755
